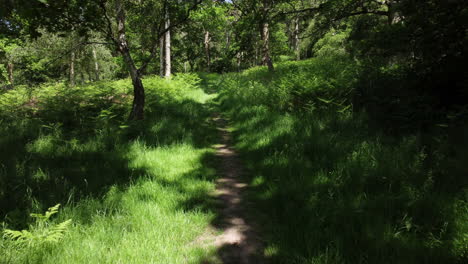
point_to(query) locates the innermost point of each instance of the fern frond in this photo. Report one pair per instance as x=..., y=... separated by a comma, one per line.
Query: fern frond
x=324, y=100
x=44, y=217
x=17, y=235
x=51, y=211
x=58, y=231
x=43, y=232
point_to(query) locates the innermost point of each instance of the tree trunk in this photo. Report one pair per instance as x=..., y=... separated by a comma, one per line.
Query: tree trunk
x=207, y=50
x=161, y=57
x=265, y=34
x=393, y=15
x=167, y=46
x=257, y=47
x=138, y=105
x=239, y=60
x=72, y=69
x=266, y=60
x=192, y=65
x=96, y=64
x=11, y=78
x=296, y=40
x=228, y=40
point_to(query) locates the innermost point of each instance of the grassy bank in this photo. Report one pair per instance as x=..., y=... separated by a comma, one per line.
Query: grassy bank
x=134, y=192
x=334, y=186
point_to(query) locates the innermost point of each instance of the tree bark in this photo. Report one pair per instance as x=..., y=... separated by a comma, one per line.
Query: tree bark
x=161, y=57
x=228, y=40
x=266, y=60
x=96, y=64
x=138, y=105
x=167, y=46
x=393, y=15
x=265, y=35
x=72, y=69
x=296, y=39
x=11, y=78
x=191, y=64
x=207, y=50
x=239, y=60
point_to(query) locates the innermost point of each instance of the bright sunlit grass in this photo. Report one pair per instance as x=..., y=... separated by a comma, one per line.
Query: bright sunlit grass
x=140, y=198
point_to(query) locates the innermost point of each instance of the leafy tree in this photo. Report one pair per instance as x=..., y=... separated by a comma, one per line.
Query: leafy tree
x=114, y=19
x=266, y=13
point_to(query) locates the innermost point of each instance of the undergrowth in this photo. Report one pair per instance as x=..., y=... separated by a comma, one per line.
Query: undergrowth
x=330, y=184
x=135, y=192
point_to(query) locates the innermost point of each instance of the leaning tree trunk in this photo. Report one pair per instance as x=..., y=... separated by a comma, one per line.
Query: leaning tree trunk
x=72, y=69
x=207, y=50
x=266, y=59
x=167, y=45
x=11, y=78
x=96, y=64
x=138, y=105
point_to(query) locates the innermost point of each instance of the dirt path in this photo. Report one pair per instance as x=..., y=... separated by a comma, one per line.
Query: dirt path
x=238, y=242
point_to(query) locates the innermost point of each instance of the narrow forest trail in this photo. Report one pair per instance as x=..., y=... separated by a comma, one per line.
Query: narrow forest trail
x=233, y=234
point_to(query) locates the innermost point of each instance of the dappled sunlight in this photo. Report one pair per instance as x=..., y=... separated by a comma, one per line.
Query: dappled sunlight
x=328, y=183
x=233, y=132
x=139, y=187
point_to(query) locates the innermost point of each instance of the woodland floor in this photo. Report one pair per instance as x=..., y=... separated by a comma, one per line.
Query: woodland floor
x=234, y=233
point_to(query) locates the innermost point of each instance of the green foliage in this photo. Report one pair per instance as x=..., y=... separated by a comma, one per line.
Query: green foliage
x=41, y=231
x=308, y=85
x=330, y=187
x=121, y=182
x=357, y=154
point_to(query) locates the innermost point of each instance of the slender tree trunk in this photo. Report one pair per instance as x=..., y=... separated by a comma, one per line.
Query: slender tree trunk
x=239, y=60
x=228, y=40
x=138, y=106
x=192, y=65
x=72, y=69
x=11, y=78
x=296, y=39
x=266, y=59
x=161, y=57
x=167, y=46
x=207, y=50
x=96, y=64
x=256, y=54
x=91, y=76
x=265, y=34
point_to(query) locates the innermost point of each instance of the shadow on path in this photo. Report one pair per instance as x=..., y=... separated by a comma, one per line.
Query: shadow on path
x=238, y=243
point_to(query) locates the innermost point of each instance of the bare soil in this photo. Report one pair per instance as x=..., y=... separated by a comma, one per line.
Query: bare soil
x=234, y=233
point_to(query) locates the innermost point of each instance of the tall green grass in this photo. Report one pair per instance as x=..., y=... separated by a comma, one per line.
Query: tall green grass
x=136, y=192
x=332, y=187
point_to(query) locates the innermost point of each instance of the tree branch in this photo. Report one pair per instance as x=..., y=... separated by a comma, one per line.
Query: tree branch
x=110, y=33
x=363, y=12
x=294, y=11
